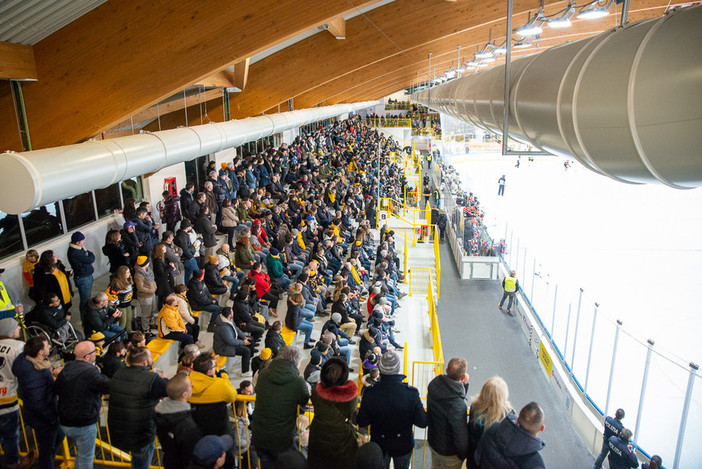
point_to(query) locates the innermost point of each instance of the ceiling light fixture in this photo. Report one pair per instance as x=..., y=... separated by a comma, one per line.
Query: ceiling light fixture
x=563, y=20
x=593, y=11
x=522, y=44
x=533, y=25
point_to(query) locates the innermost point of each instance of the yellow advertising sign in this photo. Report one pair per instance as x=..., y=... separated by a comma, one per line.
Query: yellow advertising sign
x=545, y=359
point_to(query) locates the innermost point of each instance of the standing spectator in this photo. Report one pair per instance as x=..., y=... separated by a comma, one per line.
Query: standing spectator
x=447, y=416
x=130, y=241
x=50, y=277
x=510, y=285
x=10, y=350
x=101, y=317
x=7, y=308
x=30, y=260
x=120, y=292
x=81, y=261
x=211, y=393
x=182, y=240
x=332, y=434
x=501, y=186
x=229, y=221
x=612, y=427
x=115, y=251
x=169, y=210
x=514, y=442
x=35, y=377
x=391, y=408
x=79, y=387
x=486, y=410
x=208, y=230
x=144, y=230
x=163, y=274
x=171, y=325
x=230, y=341
x=186, y=198
x=145, y=282
x=134, y=392
x=173, y=252
x=176, y=429
x=655, y=463
x=279, y=391
x=621, y=451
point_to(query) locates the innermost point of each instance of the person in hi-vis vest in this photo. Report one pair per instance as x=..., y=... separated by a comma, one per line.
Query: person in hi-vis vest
x=510, y=285
x=7, y=308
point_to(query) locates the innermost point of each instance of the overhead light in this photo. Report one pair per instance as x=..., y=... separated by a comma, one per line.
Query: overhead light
x=488, y=60
x=563, y=20
x=522, y=44
x=486, y=52
x=594, y=11
x=532, y=27
x=473, y=63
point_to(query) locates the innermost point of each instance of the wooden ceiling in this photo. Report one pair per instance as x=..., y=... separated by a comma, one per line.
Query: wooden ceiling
x=111, y=66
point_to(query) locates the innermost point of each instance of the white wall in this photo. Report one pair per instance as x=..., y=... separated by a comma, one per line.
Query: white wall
x=94, y=239
x=154, y=184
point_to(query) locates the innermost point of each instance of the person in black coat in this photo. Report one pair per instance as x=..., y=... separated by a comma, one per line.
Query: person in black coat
x=130, y=242
x=114, y=250
x=212, y=278
x=204, y=226
x=163, y=274
x=200, y=299
x=243, y=316
x=274, y=339
x=391, y=408
x=46, y=282
x=36, y=389
x=182, y=240
x=514, y=442
x=621, y=451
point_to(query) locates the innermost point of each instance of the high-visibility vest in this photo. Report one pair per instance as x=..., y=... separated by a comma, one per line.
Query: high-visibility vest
x=510, y=284
x=5, y=302
x=429, y=157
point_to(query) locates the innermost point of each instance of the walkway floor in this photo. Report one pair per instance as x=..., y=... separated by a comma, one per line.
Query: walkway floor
x=473, y=327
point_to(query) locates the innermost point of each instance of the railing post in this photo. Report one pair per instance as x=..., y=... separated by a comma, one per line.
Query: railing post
x=592, y=341
x=565, y=347
x=516, y=261
x=575, y=335
x=611, y=366
x=644, y=382
x=553, y=319
x=533, y=280
x=686, y=407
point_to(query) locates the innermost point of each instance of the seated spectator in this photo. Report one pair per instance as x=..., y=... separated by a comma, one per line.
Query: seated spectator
x=101, y=317
x=52, y=315
x=213, y=279
x=261, y=360
x=244, y=317
x=191, y=323
x=230, y=341
x=263, y=287
x=113, y=359
x=200, y=298
x=344, y=342
x=170, y=323
x=276, y=269
x=274, y=339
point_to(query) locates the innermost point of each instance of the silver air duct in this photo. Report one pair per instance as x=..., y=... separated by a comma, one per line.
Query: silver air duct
x=626, y=103
x=36, y=178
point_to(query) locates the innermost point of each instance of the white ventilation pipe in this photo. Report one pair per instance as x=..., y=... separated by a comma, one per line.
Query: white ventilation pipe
x=625, y=103
x=36, y=178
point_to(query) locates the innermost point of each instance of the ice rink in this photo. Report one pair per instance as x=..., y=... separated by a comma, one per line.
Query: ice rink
x=634, y=249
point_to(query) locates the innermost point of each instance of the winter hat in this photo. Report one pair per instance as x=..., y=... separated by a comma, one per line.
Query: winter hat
x=389, y=364
x=336, y=317
x=310, y=218
x=77, y=237
x=128, y=225
x=97, y=336
x=142, y=261
x=274, y=252
x=7, y=327
x=369, y=456
x=266, y=353
x=210, y=448
x=376, y=290
x=199, y=274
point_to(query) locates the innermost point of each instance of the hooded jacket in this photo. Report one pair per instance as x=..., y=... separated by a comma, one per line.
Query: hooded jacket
x=507, y=445
x=447, y=415
x=36, y=389
x=332, y=435
x=145, y=282
x=279, y=391
x=210, y=389
x=177, y=432
x=226, y=337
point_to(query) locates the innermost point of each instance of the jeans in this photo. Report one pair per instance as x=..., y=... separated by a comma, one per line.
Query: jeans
x=345, y=348
x=399, y=462
x=306, y=327
x=49, y=438
x=141, y=459
x=114, y=330
x=509, y=295
x=189, y=266
x=85, y=444
x=84, y=286
x=182, y=337
x=214, y=310
x=307, y=312
x=603, y=454
x=295, y=268
x=9, y=437
x=283, y=281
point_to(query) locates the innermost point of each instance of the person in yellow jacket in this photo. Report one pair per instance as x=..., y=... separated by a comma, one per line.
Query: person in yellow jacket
x=510, y=285
x=170, y=323
x=209, y=388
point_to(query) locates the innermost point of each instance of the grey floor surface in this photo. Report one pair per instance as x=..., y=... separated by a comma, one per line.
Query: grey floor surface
x=473, y=327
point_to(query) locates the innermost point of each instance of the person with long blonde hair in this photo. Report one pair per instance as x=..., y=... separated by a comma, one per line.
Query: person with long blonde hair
x=491, y=406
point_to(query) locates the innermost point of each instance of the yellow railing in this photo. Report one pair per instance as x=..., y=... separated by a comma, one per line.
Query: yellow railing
x=419, y=280
x=437, y=256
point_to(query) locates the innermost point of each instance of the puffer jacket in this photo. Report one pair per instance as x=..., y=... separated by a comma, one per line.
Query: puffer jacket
x=36, y=389
x=209, y=389
x=447, y=417
x=279, y=391
x=145, y=282
x=332, y=436
x=213, y=280
x=198, y=295
x=226, y=338
x=506, y=445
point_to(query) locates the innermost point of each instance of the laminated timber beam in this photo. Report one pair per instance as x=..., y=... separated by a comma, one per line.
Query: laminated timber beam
x=17, y=62
x=127, y=55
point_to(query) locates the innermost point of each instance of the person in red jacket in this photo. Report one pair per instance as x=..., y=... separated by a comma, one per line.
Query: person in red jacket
x=263, y=288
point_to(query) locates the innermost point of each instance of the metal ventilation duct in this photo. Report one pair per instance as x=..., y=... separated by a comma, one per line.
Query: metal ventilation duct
x=625, y=103
x=36, y=178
